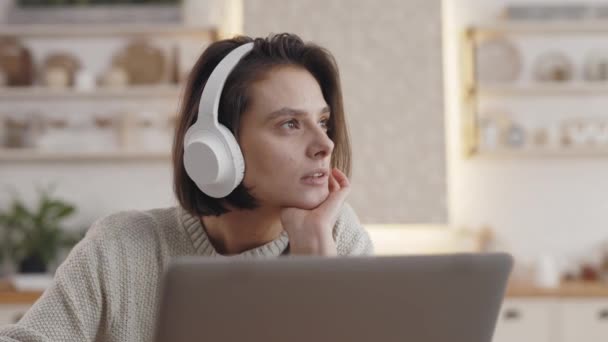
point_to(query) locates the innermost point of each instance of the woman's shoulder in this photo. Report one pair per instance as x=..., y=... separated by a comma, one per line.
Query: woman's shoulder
x=123, y=224
x=135, y=231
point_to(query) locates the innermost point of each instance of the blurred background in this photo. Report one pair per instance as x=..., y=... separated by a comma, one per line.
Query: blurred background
x=476, y=125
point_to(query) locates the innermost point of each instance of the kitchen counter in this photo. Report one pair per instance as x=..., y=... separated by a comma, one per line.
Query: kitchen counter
x=568, y=289
x=15, y=297
x=8, y=294
x=575, y=289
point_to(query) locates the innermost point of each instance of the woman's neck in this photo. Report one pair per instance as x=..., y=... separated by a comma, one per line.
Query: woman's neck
x=241, y=230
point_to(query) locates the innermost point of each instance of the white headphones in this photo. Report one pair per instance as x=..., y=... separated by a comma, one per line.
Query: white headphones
x=212, y=156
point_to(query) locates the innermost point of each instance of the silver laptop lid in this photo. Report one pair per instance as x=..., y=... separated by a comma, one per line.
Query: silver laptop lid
x=435, y=298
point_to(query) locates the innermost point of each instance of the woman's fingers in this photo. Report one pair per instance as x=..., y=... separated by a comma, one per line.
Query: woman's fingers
x=339, y=189
x=340, y=177
x=333, y=183
x=333, y=203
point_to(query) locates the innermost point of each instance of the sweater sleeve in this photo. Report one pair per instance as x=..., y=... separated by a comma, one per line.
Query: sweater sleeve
x=69, y=310
x=351, y=237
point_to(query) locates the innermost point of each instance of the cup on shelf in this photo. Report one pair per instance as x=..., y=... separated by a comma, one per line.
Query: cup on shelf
x=573, y=134
x=547, y=273
x=600, y=133
x=540, y=137
x=596, y=66
x=553, y=136
x=115, y=77
x=586, y=133
x=546, y=137
x=153, y=131
x=54, y=135
x=22, y=131
x=98, y=133
x=84, y=81
x=490, y=134
x=56, y=78
x=76, y=132
x=553, y=66
x=493, y=126
x=515, y=136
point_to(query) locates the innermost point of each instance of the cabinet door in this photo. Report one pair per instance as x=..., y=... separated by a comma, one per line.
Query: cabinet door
x=10, y=313
x=526, y=320
x=584, y=320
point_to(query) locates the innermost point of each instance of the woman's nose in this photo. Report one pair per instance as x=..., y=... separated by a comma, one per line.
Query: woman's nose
x=322, y=146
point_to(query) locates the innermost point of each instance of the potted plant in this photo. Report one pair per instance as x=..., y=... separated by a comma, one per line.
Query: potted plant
x=34, y=238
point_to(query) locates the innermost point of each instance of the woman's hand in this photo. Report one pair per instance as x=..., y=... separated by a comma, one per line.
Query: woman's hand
x=311, y=231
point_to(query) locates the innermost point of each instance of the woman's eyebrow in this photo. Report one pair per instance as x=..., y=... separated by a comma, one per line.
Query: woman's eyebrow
x=286, y=111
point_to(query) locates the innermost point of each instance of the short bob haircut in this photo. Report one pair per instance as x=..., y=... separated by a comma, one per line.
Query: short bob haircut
x=268, y=53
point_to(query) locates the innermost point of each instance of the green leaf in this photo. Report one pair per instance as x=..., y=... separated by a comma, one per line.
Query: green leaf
x=42, y=232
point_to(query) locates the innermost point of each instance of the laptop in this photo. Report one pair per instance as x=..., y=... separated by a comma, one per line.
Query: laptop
x=430, y=298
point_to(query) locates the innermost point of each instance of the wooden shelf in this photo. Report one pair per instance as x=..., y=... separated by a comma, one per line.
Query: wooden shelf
x=579, y=91
x=43, y=93
x=549, y=89
x=31, y=155
x=97, y=30
x=559, y=27
x=542, y=153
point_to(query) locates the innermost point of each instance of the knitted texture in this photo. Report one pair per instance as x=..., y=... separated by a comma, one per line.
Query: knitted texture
x=107, y=288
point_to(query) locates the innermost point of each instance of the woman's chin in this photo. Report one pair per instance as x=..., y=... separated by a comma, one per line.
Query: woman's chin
x=308, y=201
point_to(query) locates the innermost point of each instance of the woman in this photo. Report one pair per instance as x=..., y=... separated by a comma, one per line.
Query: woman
x=283, y=104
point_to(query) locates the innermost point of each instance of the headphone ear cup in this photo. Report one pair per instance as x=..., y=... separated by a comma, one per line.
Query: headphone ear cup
x=201, y=161
x=235, y=154
x=213, y=160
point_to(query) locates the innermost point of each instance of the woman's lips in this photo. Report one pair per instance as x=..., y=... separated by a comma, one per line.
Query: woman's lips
x=315, y=181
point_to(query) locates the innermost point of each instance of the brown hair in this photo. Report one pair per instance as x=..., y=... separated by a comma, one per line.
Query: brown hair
x=276, y=50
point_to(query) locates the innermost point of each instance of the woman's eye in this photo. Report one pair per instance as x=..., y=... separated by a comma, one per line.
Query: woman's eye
x=291, y=124
x=325, y=124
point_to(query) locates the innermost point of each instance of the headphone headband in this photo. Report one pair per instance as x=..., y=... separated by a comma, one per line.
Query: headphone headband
x=210, y=99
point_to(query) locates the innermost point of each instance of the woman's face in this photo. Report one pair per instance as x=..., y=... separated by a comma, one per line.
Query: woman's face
x=283, y=136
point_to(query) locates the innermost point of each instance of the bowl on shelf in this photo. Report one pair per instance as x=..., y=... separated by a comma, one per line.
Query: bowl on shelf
x=31, y=282
x=553, y=66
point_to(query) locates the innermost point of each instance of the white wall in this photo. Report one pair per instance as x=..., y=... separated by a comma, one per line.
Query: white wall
x=389, y=56
x=536, y=206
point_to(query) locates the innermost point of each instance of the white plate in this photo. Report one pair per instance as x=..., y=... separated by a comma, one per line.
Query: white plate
x=32, y=282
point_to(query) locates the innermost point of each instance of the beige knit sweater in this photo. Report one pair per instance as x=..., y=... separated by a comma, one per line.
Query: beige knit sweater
x=106, y=290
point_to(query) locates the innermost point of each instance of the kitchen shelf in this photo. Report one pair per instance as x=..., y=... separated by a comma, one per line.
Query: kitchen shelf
x=558, y=27
x=526, y=93
x=542, y=153
x=79, y=30
x=43, y=93
x=32, y=155
x=81, y=40
x=566, y=88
